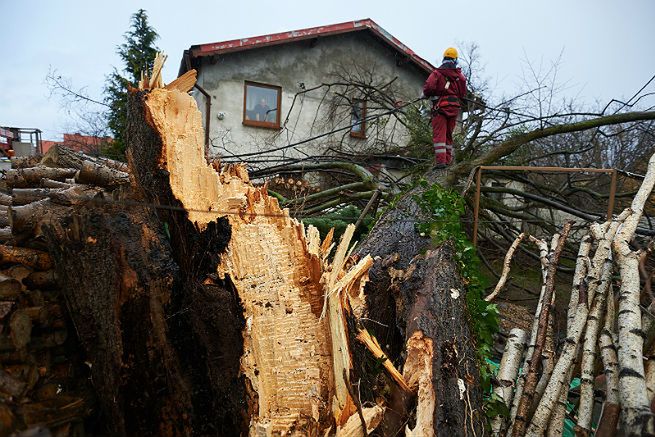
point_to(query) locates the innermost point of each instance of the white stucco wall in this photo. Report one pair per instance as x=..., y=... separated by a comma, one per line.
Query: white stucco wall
x=292, y=66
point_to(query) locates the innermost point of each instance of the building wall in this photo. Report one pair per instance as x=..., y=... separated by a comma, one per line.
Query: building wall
x=296, y=67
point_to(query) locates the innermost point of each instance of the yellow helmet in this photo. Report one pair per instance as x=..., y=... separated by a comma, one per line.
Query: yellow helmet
x=451, y=52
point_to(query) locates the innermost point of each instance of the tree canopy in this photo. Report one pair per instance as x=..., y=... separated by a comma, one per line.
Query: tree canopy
x=137, y=54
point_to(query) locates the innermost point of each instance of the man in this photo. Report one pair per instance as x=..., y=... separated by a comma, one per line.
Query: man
x=447, y=85
x=262, y=110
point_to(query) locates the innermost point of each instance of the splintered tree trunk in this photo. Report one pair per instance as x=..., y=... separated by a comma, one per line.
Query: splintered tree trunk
x=418, y=303
x=292, y=361
x=205, y=309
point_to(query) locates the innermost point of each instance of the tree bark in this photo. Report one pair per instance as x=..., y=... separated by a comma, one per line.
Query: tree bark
x=521, y=420
x=636, y=417
x=394, y=293
x=117, y=278
x=30, y=177
x=63, y=157
x=23, y=196
x=508, y=373
x=93, y=173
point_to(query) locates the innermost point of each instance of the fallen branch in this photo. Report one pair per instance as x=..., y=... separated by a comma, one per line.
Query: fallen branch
x=636, y=417
x=506, y=267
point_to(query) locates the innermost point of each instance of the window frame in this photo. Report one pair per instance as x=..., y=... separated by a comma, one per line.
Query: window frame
x=362, y=132
x=256, y=123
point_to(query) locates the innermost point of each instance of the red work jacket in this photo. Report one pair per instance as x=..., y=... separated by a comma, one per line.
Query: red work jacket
x=449, y=85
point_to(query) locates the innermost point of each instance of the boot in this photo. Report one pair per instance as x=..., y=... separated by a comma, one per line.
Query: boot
x=440, y=155
x=449, y=154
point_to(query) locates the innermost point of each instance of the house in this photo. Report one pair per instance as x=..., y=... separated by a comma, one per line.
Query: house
x=297, y=94
x=89, y=144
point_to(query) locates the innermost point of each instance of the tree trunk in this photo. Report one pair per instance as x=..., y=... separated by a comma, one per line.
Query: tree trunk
x=29, y=177
x=402, y=286
x=101, y=175
x=205, y=309
x=117, y=278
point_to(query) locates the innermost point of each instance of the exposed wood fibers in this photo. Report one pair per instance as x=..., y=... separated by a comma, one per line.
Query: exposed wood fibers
x=283, y=279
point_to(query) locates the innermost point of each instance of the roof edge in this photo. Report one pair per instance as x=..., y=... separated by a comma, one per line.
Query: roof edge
x=236, y=45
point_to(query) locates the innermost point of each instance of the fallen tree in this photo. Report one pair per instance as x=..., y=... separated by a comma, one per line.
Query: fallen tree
x=205, y=309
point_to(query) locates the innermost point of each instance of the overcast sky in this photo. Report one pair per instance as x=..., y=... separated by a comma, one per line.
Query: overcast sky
x=606, y=46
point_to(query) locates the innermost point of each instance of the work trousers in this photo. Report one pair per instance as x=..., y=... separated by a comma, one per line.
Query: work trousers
x=442, y=137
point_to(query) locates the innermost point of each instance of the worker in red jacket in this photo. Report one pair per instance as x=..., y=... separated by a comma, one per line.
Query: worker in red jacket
x=447, y=87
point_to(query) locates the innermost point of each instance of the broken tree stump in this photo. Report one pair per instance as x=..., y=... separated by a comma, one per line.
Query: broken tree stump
x=294, y=360
x=122, y=324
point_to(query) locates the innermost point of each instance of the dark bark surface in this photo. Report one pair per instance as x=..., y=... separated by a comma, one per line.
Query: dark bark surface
x=207, y=332
x=161, y=331
x=434, y=302
x=420, y=299
x=118, y=277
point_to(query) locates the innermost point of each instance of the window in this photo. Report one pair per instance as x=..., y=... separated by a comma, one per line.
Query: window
x=261, y=104
x=358, y=119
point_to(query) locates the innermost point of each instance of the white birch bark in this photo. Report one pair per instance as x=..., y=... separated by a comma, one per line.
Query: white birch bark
x=589, y=350
x=578, y=325
x=508, y=372
x=548, y=361
x=650, y=372
x=556, y=425
x=582, y=261
x=543, y=255
x=611, y=410
x=608, y=353
x=635, y=415
x=558, y=381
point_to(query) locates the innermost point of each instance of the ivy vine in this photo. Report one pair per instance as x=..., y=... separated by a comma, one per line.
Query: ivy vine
x=445, y=209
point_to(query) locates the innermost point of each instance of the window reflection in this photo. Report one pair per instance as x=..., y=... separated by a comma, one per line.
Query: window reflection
x=357, y=119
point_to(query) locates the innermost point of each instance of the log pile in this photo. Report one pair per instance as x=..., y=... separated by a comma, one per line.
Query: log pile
x=44, y=379
x=608, y=344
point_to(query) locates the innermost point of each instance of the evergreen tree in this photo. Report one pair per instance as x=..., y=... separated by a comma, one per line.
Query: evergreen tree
x=137, y=53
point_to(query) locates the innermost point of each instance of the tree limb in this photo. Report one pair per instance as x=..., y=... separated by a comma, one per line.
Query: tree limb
x=508, y=146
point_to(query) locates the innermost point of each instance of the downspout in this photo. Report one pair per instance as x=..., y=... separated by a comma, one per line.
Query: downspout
x=208, y=108
x=208, y=104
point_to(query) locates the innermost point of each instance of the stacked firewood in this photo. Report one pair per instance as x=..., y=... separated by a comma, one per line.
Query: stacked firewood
x=44, y=380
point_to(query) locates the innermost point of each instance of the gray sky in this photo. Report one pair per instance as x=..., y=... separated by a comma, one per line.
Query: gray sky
x=606, y=46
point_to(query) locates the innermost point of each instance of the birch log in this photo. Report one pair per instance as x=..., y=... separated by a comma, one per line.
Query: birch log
x=543, y=256
x=582, y=261
x=610, y=416
x=636, y=417
x=525, y=403
x=589, y=351
x=561, y=372
x=555, y=427
x=597, y=294
x=507, y=373
x=589, y=286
